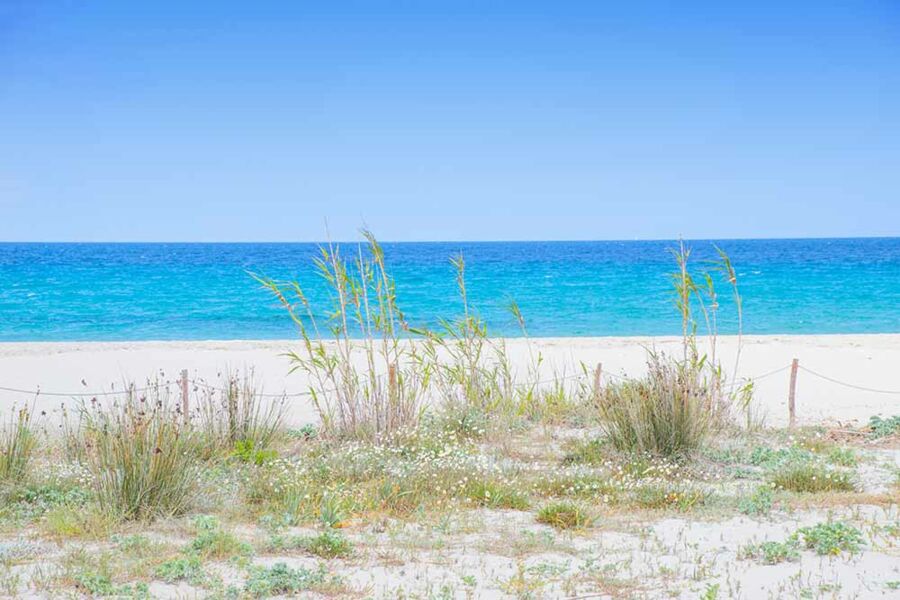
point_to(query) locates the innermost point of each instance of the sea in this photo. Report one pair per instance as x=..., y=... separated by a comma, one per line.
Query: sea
x=200, y=291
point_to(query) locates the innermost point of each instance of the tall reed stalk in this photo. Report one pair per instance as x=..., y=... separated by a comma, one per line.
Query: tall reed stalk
x=365, y=380
x=680, y=402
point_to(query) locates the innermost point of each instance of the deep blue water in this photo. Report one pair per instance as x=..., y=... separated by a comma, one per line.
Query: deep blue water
x=202, y=291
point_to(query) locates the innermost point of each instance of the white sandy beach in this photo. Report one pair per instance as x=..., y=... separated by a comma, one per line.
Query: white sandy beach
x=869, y=361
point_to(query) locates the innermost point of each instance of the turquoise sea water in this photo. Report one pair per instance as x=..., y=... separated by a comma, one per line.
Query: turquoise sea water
x=202, y=291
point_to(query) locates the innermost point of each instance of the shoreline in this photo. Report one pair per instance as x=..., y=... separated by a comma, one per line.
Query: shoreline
x=862, y=360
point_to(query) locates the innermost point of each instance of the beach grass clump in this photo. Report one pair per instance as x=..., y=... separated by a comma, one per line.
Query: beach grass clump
x=678, y=496
x=492, y=493
x=234, y=417
x=670, y=412
x=566, y=515
x=681, y=402
x=141, y=454
x=17, y=444
x=366, y=381
x=810, y=477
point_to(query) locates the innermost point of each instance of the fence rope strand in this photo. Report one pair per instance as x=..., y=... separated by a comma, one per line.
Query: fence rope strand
x=609, y=374
x=849, y=385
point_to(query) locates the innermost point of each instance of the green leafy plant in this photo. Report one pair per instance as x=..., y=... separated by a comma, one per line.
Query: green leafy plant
x=212, y=541
x=246, y=451
x=328, y=544
x=772, y=553
x=880, y=427
x=759, y=502
x=282, y=579
x=832, y=538
x=184, y=568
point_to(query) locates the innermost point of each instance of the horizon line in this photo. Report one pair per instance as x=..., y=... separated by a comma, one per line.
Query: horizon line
x=457, y=241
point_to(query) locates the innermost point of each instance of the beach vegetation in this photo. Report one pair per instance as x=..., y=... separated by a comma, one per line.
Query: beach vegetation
x=811, y=477
x=566, y=515
x=772, y=553
x=366, y=382
x=141, y=454
x=234, y=416
x=832, y=538
x=880, y=427
x=681, y=401
x=17, y=445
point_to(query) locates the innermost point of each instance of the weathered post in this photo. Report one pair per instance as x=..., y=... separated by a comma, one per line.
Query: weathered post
x=792, y=395
x=598, y=372
x=185, y=398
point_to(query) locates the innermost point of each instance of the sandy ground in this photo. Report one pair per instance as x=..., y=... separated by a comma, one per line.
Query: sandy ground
x=869, y=361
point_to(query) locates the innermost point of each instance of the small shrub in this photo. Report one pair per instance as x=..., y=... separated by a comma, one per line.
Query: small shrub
x=17, y=443
x=246, y=451
x=832, y=538
x=711, y=592
x=282, y=579
x=844, y=457
x=328, y=545
x=183, y=568
x=772, y=458
x=772, y=553
x=306, y=432
x=212, y=541
x=95, y=584
x=809, y=477
x=565, y=515
x=759, y=502
x=880, y=427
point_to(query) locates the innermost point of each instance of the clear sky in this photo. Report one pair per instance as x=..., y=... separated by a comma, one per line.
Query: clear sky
x=257, y=121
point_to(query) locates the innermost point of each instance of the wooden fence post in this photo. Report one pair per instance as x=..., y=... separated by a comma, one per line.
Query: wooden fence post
x=792, y=394
x=392, y=382
x=598, y=371
x=185, y=398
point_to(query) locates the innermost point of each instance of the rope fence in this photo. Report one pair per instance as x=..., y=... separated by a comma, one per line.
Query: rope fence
x=185, y=382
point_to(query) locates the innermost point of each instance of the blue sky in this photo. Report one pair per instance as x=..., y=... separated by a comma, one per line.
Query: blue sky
x=246, y=121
